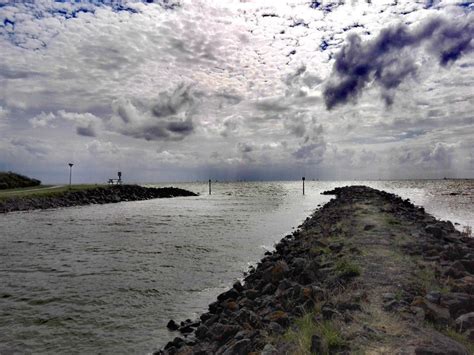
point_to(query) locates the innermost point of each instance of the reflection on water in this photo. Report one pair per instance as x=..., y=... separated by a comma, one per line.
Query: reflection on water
x=107, y=278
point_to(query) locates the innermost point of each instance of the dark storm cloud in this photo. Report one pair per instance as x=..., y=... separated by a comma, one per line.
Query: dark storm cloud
x=386, y=60
x=168, y=117
x=87, y=131
x=170, y=104
x=245, y=148
x=181, y=127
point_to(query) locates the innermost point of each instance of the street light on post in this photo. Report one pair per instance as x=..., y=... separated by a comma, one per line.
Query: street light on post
x=70, y=174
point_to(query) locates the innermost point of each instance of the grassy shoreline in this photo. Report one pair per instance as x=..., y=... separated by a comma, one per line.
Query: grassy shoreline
x=79, y=195
x=45, y=190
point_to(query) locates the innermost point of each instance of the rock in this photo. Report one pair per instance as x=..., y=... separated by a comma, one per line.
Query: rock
x=276, y=328
x=232, y=294
x=433, y=296
x=317, y=293
x=238, y=286
x=464, y=285
x=316, y=345
x=246, y=316
x=251, y=294
x=441, y=345
x=176, y=343
x=458, y=303
x=231, y=305
x=278, y=271
x=336, y=247
x=419, y=313
x=222, y=332
x=172, y=325
x=201, y=331
x=434, y=230
x=298, y=264
x=215, y=307
x=388, y=296
x=470, y=334
x=328, y=312
x=347, y=306
x=269, y=289
x=279, y=317
x=433, y=312
x=241, y=347
x=468, y=265
x=269, y=349
x=186, y=329
x=391, y=305
x=466, y=321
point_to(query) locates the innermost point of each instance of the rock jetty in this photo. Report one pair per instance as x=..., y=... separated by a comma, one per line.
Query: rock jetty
x=99, y=195
x=369, y=272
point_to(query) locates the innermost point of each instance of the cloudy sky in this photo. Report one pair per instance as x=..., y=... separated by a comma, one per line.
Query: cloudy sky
x=171, y=90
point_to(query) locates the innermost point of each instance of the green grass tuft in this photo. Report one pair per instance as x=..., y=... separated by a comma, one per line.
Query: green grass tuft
x=345, y=267
x=460, y=338
x=305, y=327
x=45, y=191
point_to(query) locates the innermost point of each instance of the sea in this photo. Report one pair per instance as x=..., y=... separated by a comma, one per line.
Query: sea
x=107, y=278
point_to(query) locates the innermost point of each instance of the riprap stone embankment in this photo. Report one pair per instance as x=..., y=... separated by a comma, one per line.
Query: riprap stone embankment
x=369, y=272
x=99, y=195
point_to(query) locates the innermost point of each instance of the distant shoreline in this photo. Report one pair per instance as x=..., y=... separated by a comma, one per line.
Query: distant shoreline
x=94, y=195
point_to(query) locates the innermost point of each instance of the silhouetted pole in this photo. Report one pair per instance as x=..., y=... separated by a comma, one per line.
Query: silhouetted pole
x=209, y=186
x=303, y=184
x=70, y=174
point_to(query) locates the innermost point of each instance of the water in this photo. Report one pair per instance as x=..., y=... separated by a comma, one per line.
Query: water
x=107, y=278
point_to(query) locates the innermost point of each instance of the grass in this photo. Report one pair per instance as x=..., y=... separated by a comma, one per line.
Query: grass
x=392, y=221
x=345, y=267
x=453, y=334
x=466, y=231
x=307, y=326
x=460, y=338
x=44, y=191
x=426, y=278
x=320, y=251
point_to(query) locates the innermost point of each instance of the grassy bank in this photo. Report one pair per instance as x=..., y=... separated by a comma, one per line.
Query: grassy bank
x=80, y=195
x=10, y=180
x=44, y=190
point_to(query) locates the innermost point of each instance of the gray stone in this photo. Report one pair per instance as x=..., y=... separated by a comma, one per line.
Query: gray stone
x=433, y=296
x=316, y=345
x=466, y=321
x=269, y=349
x=241, y=347
x=388, y=296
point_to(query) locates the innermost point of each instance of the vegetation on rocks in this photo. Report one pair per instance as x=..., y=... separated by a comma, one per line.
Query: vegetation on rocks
x=367, y=273
x=79, y=196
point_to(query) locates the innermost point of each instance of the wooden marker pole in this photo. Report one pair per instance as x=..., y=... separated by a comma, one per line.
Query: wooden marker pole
x=303, y=184
x=209, y=186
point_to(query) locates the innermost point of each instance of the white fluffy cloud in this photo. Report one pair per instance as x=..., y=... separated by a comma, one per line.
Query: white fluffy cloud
x=223, y=88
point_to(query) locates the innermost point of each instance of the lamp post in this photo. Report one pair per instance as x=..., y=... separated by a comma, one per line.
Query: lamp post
x=70, y=174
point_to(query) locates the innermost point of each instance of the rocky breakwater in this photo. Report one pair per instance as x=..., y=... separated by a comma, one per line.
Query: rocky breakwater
x=367, y=273
x=99, y=195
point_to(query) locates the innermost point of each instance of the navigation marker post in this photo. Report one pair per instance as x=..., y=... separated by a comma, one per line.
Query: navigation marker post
x=70, y=173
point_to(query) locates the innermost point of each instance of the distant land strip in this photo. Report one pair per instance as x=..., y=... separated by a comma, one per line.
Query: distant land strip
x=85, y=195
x=368, y=273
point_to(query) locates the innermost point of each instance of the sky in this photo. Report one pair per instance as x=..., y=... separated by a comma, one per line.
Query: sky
x=172, y=90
